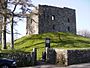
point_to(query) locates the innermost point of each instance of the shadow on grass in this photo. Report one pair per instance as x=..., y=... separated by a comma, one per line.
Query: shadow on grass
x=34, y=45
x=82, y=41
x=62, y=43
x=63, y=39
x=25, y=40
x=71, y=43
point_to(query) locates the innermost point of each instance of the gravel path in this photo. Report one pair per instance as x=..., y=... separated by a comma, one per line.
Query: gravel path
x=86, y=65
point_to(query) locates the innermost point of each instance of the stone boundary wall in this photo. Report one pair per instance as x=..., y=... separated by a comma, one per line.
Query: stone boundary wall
x=78, y=56
x=50, y=56
x=68, y=57
x=56, y=56
x=22, y=59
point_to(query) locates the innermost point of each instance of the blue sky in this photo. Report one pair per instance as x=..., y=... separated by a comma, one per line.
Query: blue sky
x=82, y=8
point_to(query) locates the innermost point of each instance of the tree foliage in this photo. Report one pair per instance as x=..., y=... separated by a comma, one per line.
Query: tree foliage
x=10, y=9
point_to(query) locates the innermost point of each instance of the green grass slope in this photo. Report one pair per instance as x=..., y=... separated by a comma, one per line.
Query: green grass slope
x=58, y=40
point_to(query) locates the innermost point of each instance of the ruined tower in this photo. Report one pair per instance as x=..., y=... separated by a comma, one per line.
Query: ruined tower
x=51, y=19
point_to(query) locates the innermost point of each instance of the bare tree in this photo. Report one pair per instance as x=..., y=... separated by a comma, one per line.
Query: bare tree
x=25, y=7
x=3, y=12
x=10, y=13
x=84, y=33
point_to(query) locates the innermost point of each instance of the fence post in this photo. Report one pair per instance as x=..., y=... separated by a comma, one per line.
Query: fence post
x=34, y=56
x=47, y=53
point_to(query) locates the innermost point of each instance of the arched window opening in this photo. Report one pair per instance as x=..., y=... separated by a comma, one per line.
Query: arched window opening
x=69, y=29
x=53, y=17
x=53, y=27
x=68, y=20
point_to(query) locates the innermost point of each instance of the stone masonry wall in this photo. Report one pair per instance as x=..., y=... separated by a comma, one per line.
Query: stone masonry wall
x=51, y=19
x=22, y=59
x=69, y=57
x=56, y=56
x=78, y=56
x=55, y=19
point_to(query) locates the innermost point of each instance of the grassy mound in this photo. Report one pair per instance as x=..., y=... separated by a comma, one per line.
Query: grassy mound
x=58, y=40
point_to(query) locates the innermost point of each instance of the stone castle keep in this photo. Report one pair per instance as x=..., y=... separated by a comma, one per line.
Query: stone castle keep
x=51, y=19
